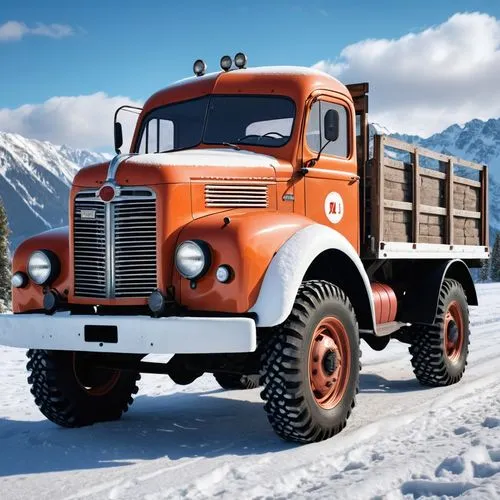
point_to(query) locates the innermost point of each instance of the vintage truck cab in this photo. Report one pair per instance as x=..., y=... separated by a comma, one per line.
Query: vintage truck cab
x=244, y=234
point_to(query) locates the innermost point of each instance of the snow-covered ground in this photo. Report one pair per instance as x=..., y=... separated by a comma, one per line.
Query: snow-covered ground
x=403, y=441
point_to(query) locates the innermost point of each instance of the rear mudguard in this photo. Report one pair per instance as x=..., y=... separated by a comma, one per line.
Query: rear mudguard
x=290, y=265
x=421, y=299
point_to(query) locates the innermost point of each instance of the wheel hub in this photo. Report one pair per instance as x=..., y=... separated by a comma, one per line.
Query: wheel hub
x=329, y=362
x=453, y=332
x=93, y=380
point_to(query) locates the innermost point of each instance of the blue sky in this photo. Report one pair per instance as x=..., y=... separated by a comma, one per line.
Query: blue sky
x=131, y=49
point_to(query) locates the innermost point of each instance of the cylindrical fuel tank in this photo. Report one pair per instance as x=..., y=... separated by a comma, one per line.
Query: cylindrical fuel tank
x=386, y=305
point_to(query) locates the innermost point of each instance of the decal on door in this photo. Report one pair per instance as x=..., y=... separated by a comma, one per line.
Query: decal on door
x=334, y=207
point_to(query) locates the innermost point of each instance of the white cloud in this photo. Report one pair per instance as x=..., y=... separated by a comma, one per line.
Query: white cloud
x=423, y=82
x=15, y=30
x=84, y=121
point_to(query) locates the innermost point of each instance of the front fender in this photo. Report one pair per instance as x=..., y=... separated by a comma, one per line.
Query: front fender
x=30, y=298
x=247, y=244
x=289, y=266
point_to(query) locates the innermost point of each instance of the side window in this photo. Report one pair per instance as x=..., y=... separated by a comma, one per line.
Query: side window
x=152, y=136
x=313, y=132
x=166, y=135
x=315, y=138
x=158, y=136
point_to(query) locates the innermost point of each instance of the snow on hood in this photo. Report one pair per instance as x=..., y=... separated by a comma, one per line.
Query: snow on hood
x=206, y=158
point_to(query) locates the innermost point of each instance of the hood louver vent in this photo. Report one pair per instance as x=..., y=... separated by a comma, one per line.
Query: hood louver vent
x=236, y=195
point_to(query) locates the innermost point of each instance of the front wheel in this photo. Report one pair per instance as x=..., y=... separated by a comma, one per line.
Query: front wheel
x=72, y=392
x=310, y=369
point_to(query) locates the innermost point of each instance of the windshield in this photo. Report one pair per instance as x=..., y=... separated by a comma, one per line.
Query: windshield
x=235, y=120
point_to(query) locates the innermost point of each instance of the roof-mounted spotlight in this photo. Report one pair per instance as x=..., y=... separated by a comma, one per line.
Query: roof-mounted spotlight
x=226, y=62
x=199, y=67
x=240, y=60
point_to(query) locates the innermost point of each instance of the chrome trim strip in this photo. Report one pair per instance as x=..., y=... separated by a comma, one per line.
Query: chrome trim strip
x=110, y=288
x=115, y=163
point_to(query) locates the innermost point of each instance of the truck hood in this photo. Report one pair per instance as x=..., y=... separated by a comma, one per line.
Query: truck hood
x=182, y=166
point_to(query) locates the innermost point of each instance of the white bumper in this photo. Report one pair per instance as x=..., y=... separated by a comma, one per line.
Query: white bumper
x=128, y=334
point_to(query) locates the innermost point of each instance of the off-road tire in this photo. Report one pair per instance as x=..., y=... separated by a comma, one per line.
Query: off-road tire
x=62, y=399
x=291, y=406
x=233, y=381
x=431, y=363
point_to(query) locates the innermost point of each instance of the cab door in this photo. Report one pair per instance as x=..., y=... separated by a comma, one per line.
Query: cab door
x=331, y=180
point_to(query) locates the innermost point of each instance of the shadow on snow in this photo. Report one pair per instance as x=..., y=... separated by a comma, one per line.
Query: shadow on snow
x=175, y=426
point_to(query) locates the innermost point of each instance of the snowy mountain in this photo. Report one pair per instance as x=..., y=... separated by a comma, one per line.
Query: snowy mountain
x=35, y=178
x=477, y=141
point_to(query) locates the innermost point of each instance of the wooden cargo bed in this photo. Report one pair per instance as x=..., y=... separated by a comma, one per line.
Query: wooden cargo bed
x=423, y=204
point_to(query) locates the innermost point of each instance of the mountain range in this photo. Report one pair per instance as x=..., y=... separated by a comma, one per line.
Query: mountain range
x=35, y=176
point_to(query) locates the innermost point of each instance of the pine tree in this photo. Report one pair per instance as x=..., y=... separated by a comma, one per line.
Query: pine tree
x=495, y=260
x=484, y=272
x=5, y=285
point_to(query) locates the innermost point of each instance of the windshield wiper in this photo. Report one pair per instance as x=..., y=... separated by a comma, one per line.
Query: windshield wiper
x=230, y=145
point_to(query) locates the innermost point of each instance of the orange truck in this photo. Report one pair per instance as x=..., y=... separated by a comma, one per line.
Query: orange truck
x=257, y=232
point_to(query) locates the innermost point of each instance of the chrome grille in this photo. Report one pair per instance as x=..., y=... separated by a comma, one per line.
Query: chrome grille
x=115, y=252
x=236, y=195
x=135, y=248
x=89, y=247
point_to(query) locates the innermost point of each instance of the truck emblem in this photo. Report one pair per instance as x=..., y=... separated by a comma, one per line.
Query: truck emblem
x=288, y=197
x=87, y=214
x=107, y=193
x=334, y=207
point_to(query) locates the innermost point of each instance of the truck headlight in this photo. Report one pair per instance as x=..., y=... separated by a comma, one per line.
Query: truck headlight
x=192, y=259
x=43, y=267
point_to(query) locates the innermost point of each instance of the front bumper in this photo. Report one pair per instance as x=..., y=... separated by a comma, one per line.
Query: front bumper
x=128, y=334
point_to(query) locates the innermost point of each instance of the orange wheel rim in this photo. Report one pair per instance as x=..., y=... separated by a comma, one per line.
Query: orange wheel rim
x=329, y=362
x=101, y=385
x=453, y=332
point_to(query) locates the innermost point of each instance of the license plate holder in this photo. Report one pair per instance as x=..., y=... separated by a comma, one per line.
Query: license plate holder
x=106, y=334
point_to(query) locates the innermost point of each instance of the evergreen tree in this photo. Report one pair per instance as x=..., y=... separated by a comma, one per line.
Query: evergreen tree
x=495, y=260
x=5, y=273
x=484, y=272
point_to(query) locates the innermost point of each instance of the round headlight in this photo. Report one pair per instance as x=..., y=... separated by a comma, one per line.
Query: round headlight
x=226, y=62
x=192, y=259
x=42, y=267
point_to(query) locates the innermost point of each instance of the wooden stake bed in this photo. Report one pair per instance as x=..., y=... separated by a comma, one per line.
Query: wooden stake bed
x=424, y=204
x=416, y=203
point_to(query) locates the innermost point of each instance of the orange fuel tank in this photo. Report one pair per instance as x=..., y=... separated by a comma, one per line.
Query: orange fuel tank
x=386, y=304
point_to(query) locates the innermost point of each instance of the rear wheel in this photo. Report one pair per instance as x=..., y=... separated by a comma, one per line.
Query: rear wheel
x=439, y=352
x=230, y=381
x=71, y=392
x=310, y=369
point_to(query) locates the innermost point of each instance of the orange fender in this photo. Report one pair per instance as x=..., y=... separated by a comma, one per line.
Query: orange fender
x=247, y=244
x=31, y=297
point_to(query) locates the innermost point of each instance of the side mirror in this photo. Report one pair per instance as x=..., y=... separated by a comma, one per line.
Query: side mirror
x=118, y=137
x=331, y=125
